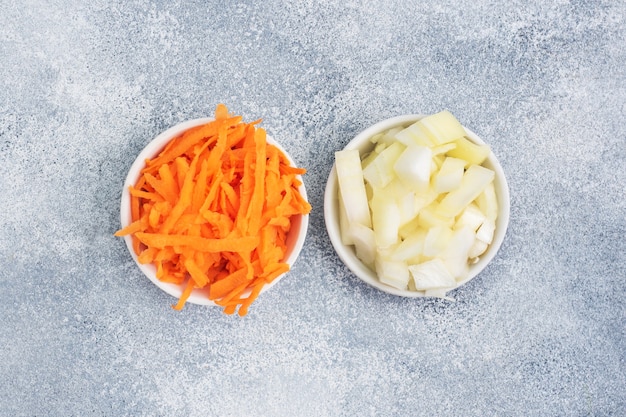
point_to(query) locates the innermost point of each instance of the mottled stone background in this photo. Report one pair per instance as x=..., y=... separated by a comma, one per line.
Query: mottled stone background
x=86, y=85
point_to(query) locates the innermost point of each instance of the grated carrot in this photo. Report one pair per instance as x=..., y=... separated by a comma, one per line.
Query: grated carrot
x=213, y=210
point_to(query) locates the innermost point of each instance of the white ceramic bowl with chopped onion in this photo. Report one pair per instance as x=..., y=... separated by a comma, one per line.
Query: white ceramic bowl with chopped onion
x=347, y=253
x=295, y=238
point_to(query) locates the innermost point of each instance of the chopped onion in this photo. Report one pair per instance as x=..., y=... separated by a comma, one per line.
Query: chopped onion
x=364, y=243
x=437, y=240
x=344, y=225
x=410, y=247
x=485, y=231
x=394, y=273
x=471, y=217
x=415, y=134
x=413, y=167
x=431, y=275
x=420, y=208
x=478, y=248
x=352, y=187
x=385, y=217
x=456, y=254
x=474, y=181
x=488, y=203
x=469, y=151
x=443, y=126
x=380, y=172
x=450, y=175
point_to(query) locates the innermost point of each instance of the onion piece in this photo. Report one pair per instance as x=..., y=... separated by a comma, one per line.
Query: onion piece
x=450, y=175
x=430, y=217
x=413, y=167
x=444, y=127
x=456, y=254
x=410, y=247
x=471, y=217
x=385, y=217
x=474, y=181
x=472, y=153
x=485, y=231
x=431, y=275
x=478, y=248
x=352, y=186
x=437, y=240
x=380, y=172
x=344, y=225
x=393, y=273
x=415, y=134
x=488, y=202
x=364, y=243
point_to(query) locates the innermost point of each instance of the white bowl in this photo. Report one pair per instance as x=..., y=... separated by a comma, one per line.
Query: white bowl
x=295, y=237
x=347, y=252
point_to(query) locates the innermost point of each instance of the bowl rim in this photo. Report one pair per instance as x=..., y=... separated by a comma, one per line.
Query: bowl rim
x=200, y=296
x=346, y=252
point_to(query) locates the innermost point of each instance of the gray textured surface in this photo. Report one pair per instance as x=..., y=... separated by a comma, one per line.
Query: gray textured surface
x=86, y=85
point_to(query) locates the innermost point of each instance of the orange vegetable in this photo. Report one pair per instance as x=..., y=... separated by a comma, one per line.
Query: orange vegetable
x=213, y=210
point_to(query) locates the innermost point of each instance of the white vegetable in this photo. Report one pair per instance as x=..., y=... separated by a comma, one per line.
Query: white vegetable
x=367, y=159
x=458, y=267
x=410, y=247
x=459, y=244
x=474, y=181
x=429, y=217
x=408, y=229
x=408, y=207
x=405, y=198
x=415, y=134
x=380, y=172
x=431, y=275
x=478, y=248
x=393, y=273
x=380, y=147
x=469, y=151
x=444, y=127
x=485, y=231
x=413, y=167
x=376, y=138
x=344, y=225
x=437, y=240
x=364, y=243
x=436, y=163
x=387, y=137
x=352, y=187
x=442, y=149
x=426, y=198
x=471, y=217
x=488, y=203
x=450, y=175
x=385, y=218
x=456, y=254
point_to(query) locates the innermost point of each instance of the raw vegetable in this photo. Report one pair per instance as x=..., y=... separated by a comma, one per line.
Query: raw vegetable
x=474, y=181
x=352, y=187
x=431, y=202
x=413, y=167
x=213, y=210
x=385, y=217
x=450, y=175
x=380, y=171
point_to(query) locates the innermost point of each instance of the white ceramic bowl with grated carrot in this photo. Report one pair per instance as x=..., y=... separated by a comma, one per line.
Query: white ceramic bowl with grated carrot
x=214, y=241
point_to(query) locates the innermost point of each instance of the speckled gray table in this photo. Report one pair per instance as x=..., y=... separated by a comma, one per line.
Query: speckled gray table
x=85, y=85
